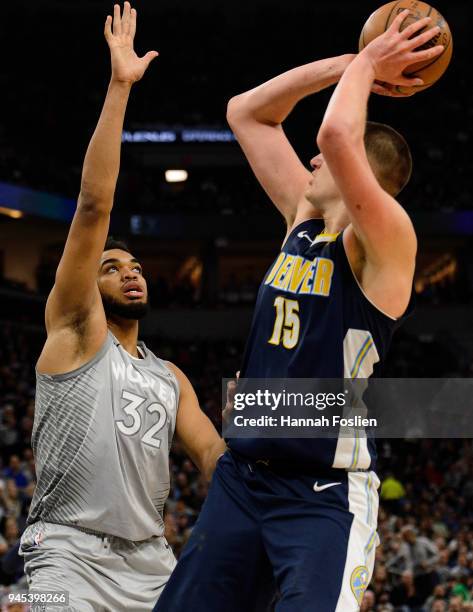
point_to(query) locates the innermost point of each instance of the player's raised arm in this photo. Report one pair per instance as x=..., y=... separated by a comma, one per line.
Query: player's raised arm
x=194, y=429
x=256, y=118
x=378, y=223
x=75, y=292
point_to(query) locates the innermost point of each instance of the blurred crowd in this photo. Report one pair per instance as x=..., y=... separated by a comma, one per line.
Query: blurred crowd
x=425, y=558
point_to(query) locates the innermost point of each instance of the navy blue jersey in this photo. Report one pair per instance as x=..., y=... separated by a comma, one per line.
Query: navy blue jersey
x=313, y=320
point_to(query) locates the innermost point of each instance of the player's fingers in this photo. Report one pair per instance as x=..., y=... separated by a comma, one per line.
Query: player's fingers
x=381, y=90
x=396, y=24
x=117, y=20
x=238, y=375
x=126, y=18
x=108, y=28
x=422, y=39
x=231, y=388
x=427, y=54
x=409, y=82
x=385, y=89
x=133, y=15
x=416, y=27
x=149, y=57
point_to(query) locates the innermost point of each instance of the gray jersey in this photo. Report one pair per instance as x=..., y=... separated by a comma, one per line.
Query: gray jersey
x=101, y=440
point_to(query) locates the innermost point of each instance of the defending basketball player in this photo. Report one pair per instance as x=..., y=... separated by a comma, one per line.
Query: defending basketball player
x=307, y=509
x=106, y=406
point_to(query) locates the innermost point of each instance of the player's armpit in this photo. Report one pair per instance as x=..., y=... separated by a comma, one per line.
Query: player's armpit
x=194, y=429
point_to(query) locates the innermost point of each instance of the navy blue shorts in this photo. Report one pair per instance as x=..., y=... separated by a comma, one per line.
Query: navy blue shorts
x=308, y=539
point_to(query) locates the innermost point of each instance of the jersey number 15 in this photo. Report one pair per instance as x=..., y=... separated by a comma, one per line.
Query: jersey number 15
x=287, y=324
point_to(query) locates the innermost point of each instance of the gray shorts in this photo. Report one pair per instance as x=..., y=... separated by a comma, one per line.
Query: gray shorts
x=100, y=573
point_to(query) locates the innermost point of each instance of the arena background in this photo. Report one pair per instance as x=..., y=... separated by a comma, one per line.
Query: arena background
x=205, y=243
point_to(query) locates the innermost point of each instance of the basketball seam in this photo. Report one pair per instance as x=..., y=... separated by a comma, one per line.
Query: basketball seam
x=389, y=16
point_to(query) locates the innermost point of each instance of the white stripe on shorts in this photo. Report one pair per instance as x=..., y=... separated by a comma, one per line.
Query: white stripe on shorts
x=363, y=504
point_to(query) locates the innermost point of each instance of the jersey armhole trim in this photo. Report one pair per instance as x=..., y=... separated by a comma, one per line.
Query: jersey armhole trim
x=385, y=314
x=95, y=359
x=176, y=382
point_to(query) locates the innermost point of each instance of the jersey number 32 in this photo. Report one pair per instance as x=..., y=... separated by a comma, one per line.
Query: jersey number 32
x=135, y=419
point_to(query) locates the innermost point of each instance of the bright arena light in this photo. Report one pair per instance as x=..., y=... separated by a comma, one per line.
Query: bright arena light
x=176, y=176
x=11, y=212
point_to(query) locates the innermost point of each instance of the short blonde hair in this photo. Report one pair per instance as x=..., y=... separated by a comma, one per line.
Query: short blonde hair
x=389, y=156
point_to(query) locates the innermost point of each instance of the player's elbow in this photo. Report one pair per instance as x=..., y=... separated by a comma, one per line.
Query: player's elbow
x=245, y=110
x=333, y=134
x=236, y=110
x=95, y=201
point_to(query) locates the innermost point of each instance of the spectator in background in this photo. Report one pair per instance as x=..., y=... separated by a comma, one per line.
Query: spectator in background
x=406, y=593
x=393, y=493
x=14, y=472
x=443, y=567
x=439, y=594
x=379, y=582
x=455, y=604
x=461, y=569
x=369, y=602
x=28, y=465
x=11, y=499
x=384, y=603
x=417, y=557
x=11, y=531
x=8, y=428
x=460, y=589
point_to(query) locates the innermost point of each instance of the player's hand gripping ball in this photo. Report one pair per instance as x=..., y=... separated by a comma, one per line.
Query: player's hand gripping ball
x=430, y=70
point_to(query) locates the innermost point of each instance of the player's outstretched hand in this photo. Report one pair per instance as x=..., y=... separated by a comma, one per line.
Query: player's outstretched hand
x=392, y=52
x=120, y=30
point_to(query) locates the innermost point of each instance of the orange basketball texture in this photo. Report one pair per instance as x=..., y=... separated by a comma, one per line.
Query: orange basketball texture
x=429, y=71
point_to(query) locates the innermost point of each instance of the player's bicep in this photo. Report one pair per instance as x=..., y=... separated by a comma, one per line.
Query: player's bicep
x=379, y=222
x=75, y=290
x=274, y=163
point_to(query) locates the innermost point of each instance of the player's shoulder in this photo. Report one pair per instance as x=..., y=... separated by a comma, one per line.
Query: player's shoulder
x=181, y=378
x=70, y=347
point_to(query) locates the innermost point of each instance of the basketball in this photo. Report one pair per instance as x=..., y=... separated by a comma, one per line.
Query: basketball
x=429, y=71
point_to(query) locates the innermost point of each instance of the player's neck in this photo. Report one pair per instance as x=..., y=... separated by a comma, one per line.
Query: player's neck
x=335, y=218
x=126, y=332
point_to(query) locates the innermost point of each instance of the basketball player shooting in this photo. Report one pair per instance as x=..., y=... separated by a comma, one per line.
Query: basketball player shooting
x=106, y=406
x=306, y=509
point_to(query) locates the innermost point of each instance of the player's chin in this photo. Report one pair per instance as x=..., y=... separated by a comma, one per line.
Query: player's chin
x=135, y=309
x=310, y=195
x=125, y=307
